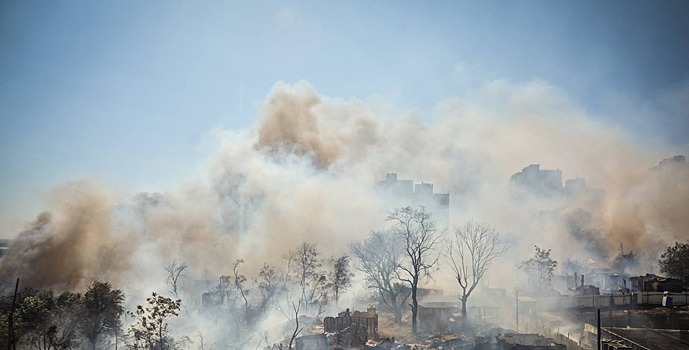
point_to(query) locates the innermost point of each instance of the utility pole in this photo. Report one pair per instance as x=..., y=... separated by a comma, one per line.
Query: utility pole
x=598, y=328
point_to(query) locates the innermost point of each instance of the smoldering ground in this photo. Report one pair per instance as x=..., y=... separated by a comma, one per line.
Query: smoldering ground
x=305, y=172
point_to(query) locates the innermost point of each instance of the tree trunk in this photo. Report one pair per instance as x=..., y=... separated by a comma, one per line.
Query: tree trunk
x=397, y=313
x=414, y=308
x=464, y=310
x=396, y=308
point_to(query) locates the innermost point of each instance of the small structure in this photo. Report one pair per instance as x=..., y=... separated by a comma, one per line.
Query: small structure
x=439, y=316
x=587, y=290
x=366, y=322
x=654, y=283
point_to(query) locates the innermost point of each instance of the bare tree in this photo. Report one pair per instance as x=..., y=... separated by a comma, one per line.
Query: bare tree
x=297, y=330
x=284, y=279
x=416, y=229
x=174, y=273
x=295, y=333
x=307, y=269
x=268, y=284
x=202, y=341
x=239, y=280
x=471, y=250
x=380, y=257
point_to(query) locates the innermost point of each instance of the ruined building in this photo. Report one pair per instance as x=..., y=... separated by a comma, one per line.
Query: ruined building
x=348, y=330
x=401, y=193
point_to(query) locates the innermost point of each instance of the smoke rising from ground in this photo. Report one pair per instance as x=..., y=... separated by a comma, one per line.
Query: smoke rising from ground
x=306, y=171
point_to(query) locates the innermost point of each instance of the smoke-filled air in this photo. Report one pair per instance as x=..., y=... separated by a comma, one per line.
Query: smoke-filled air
x=306, y=170
x=367, y=176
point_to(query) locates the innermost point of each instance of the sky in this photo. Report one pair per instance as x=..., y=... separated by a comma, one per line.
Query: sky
x=128, y=92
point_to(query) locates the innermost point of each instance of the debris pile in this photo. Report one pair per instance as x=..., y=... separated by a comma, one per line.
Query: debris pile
x=359, y=331
x=453, y=342
x=354, y=337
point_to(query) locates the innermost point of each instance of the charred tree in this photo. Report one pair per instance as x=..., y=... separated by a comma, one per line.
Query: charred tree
x=470, y=250
x=379, y=258
x=417, y=230
x=174, y=273
x=307, y=270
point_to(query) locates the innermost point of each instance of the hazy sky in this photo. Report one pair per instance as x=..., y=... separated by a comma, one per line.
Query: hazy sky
x=126, y=92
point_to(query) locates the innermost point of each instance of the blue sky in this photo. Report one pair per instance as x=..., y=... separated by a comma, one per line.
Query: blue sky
x=126, y=91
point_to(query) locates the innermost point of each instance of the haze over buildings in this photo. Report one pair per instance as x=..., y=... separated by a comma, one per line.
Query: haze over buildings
x=547, y=184
x=401, y=193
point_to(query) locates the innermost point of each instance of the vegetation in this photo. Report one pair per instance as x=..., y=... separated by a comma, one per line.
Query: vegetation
x=625, y=260
x=306, y=267
x=674, y=262
x=150, y=330
x=539, y=269
x=394, y=262
x=339, y=276
x=44, y=320
x=101, y=313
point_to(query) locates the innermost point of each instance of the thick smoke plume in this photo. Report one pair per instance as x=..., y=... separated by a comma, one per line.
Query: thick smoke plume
x=69, y=246
x=305, y=172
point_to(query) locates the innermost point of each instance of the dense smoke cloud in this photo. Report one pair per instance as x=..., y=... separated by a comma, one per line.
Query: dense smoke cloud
x=651, y=215
x=69, y=246
x=306, y=171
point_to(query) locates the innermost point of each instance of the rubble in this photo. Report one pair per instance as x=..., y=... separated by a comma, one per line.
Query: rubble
x=359, y=331
x=312, y=342
x=353, y=338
